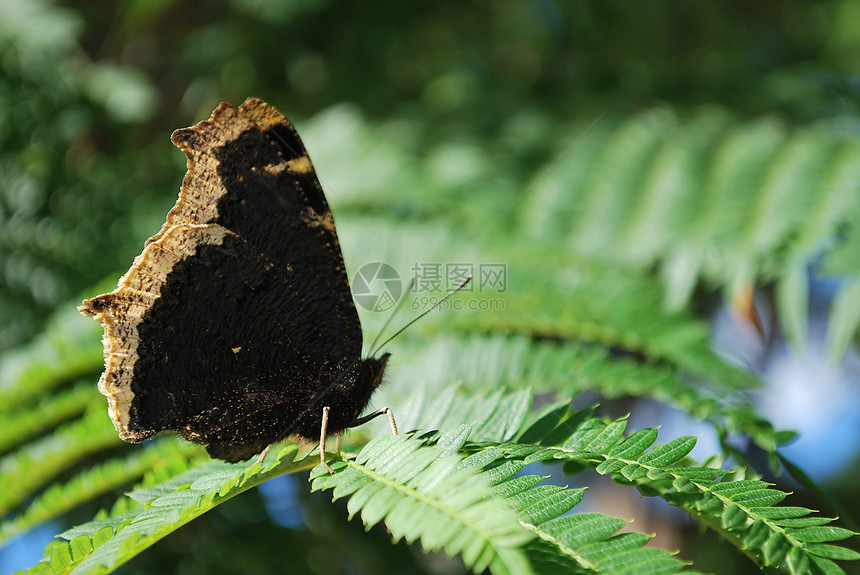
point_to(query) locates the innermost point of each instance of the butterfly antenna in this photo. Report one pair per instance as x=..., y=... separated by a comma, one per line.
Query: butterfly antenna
x=394, y=311
x=434, y=306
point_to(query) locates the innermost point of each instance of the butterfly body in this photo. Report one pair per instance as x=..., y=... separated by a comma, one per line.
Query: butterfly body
x=235, y=326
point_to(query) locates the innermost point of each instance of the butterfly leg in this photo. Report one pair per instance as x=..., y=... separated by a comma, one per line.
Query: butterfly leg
x=323, y=433
x=264, y=453
x=386, y=410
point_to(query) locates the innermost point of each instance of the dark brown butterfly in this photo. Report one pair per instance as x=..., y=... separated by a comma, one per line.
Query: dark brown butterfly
x=236, y=327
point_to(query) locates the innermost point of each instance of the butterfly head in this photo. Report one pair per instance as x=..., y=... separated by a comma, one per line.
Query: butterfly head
x=372, y=369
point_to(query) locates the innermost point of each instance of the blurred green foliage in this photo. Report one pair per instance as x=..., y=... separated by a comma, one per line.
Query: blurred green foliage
x=459, y=114
x=90, y=91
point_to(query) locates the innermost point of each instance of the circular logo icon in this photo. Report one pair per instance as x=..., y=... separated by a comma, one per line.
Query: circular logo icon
x=376, y=286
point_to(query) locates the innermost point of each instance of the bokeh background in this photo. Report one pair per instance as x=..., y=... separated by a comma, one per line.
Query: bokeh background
x=413, y=112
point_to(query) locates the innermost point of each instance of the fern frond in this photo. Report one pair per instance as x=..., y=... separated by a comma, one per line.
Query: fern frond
x=554, y=296
x=98, y=480
x=742, y=511
x=591, y=542
x=424, y=495
x=496, y=417
x=844, y=320
x=588, y=540
x=23, y=472
x=67, y=350
x=18, y=426
x=551, y=293
x=563, y=369
x=108, y=541
x=708, y=198
x=844, y=260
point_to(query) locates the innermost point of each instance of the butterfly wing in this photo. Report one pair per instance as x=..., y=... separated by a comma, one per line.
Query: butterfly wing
x=237, y=319
x=249, y=172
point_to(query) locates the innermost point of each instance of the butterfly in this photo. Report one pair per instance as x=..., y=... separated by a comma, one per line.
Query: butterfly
x=235, y=326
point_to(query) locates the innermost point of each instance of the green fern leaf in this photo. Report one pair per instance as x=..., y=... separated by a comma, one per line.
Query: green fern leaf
x=669, y=453
x=422, y=494
x=832, y=552
x=711, y=198
x=103, y=544
x=67, y=350
x=742, y=511
x=100, y=479
x=589, y=540
x=396, y=499
x=819, y=534
x=22, y=472
x=19, y=425
x=844, y=320
x=565, y=370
